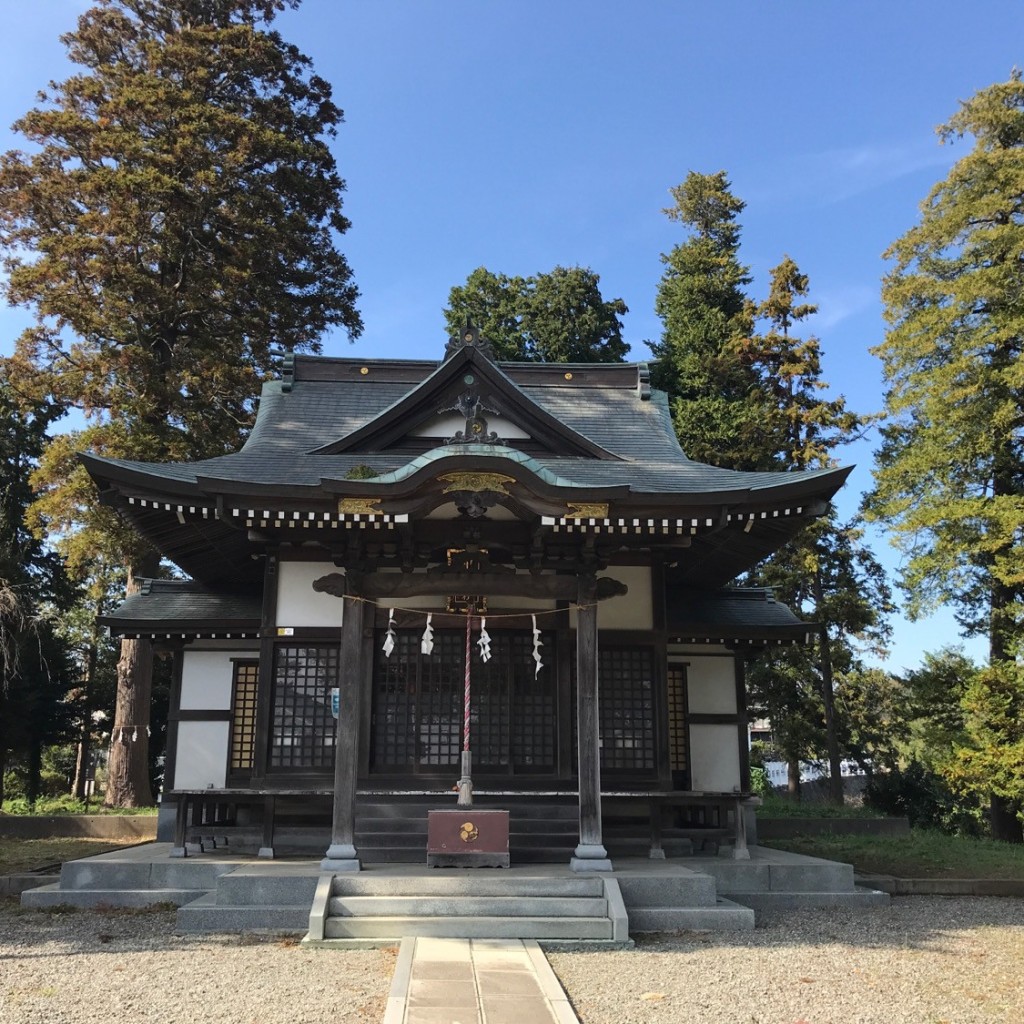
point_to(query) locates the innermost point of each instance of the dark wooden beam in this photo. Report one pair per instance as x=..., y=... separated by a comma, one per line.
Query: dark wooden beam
x=341, y=854
x=590, y=854
x=387, y=585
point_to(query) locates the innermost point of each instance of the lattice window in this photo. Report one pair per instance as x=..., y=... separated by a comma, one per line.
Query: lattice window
x=677, y=752
x=418, y=705
x=514, y=714
x=304, y=728
x=395, y=703
x=243, y=715
x=625, y=709
x=442, y=681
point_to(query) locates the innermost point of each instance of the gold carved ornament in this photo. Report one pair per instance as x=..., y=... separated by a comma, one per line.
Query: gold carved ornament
x=497, y=483
x=469, y=833
x=359, y=506
x=586, y=510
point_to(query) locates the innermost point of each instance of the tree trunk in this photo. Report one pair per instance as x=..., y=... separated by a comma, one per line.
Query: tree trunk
x=85, y=733
x=33, y=778
x=793, y=779
x=128, y=767
x=1003, y=819
x=835, y=761
x=3, y=768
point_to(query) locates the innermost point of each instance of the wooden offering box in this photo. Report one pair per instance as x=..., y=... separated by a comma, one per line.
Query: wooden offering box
x=467, y=838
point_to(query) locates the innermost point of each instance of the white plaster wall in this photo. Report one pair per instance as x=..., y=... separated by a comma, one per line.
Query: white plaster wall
x=714, y=758
x=633, y=610
x=298, y=604
x=206, y=679
x=711, y=686
x=202, y=755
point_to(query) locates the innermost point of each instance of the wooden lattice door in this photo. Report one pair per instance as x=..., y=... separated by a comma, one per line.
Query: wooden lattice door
x=418, y=706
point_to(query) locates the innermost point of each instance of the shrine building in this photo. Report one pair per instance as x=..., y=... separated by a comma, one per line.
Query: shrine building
x=381, y=507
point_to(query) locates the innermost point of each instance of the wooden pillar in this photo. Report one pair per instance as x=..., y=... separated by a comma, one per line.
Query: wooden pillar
x=590, y=854
x=341, y=854
x=265, y=672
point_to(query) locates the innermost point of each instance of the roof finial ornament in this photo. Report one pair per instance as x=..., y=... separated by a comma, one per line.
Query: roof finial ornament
x=287, y=357
x=469, y=337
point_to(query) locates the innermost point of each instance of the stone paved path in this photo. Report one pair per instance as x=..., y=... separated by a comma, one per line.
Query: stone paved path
x=475, y=981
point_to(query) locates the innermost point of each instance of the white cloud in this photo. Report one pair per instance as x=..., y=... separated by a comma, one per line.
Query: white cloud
x=838, y=304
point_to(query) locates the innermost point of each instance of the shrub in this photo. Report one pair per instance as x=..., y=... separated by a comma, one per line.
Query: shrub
x=759, y=782
x=923, y=797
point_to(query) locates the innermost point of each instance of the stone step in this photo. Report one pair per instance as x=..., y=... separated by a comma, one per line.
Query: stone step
x=267, y=888
x=494, y=883
x=55, y=896
x=469, y=927
x=107, y=872
x=466, y=906
x=722, y=915
x=772, y=873
x=205, y=915
x=679, y=889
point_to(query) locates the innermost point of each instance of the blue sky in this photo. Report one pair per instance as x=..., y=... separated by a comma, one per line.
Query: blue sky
x=522, y=135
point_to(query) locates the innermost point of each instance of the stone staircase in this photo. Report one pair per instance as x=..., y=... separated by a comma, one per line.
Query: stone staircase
x=221, y=891
x=358, y=908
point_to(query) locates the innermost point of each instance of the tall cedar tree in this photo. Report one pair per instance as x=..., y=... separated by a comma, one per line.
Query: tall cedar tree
x=176, y=219
x=826, y=571
x=35, y=668
x=554, y=317
x=949, y=476
x=715, y=398
x=833, y=578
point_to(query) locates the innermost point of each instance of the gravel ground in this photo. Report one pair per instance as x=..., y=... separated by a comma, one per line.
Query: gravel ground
x=72, y=968
x=922, y=960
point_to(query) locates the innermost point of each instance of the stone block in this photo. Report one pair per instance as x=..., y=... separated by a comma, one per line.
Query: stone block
x=725, y=915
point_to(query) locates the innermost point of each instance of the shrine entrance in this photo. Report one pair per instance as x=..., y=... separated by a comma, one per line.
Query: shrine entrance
x=416, y=725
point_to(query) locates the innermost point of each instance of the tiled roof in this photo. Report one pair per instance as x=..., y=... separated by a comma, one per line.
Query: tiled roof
x=293, y=423
x=172, y=605
x=736, y=611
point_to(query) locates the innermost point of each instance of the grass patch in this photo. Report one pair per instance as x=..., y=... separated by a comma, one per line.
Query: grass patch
x=922, y=854
x=46, y=807
x=774, y=806
x=20, y=855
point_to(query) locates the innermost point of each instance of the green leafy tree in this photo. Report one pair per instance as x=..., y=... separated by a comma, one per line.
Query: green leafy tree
x=831, y=576
x=175, y=219
x=35, y=666
x=826, y=571
x=919, y=784
x=949, y=476
x=802, y=426
x=991, y=758
x=554, y=317
x=715, y=398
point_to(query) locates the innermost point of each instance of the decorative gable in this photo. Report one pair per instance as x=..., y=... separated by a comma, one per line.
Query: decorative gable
x=467, y=400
